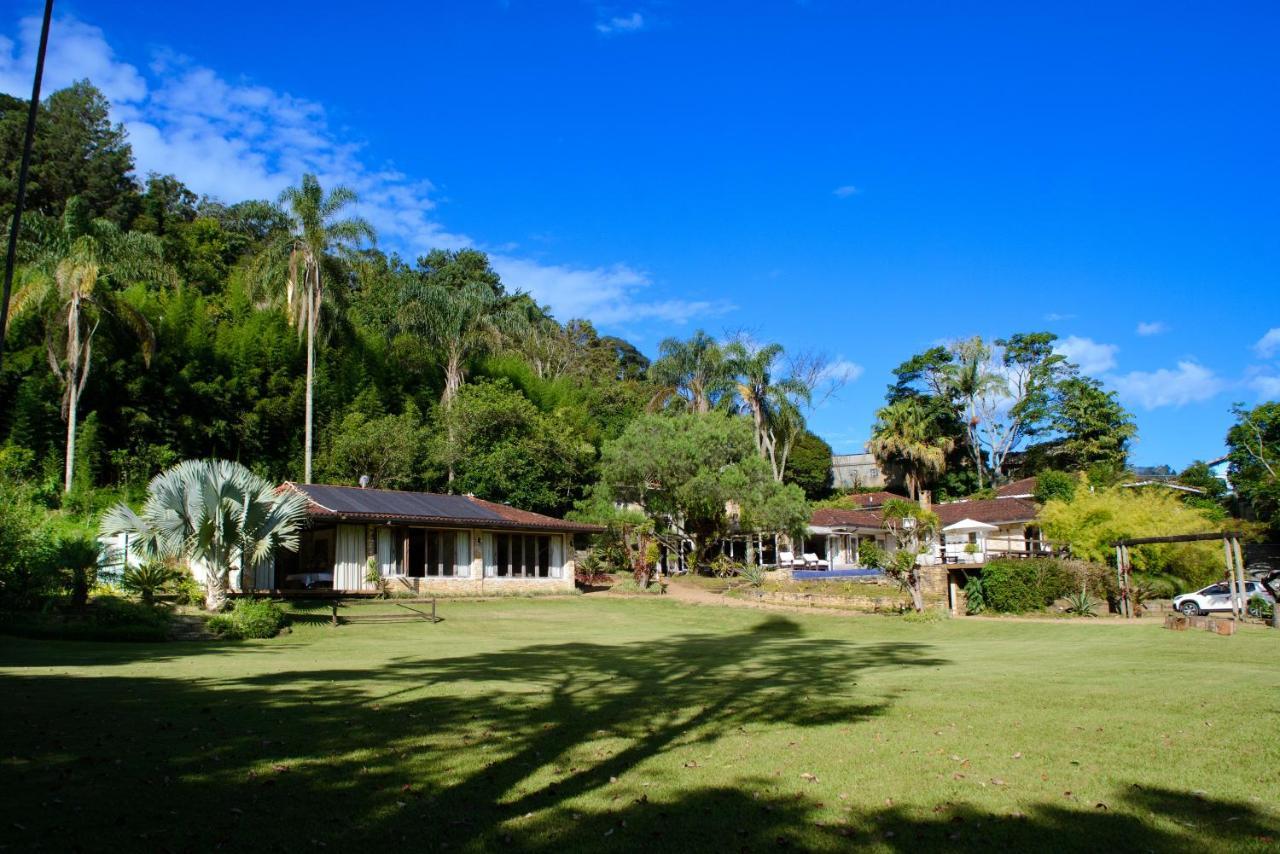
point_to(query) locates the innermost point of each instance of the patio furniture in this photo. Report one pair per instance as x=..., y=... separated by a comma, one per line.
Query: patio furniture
x=812, y=559
x=786, y=559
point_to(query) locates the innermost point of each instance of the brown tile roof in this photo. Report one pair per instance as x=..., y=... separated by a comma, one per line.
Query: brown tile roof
x=1025, y=486
x=835, y=518
x=391, y=505
x=993, y=511
x=528, y=519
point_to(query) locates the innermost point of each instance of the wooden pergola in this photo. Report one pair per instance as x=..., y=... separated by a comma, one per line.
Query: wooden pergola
x=1231, y=554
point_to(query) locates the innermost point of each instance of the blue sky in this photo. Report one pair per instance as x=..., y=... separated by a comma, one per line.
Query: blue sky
x=860, y=178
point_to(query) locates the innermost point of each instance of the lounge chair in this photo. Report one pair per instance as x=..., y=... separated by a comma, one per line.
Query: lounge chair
x=786, y=560
x=811, y=559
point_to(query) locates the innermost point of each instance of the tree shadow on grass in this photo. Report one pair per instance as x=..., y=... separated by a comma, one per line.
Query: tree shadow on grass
x=572, y=746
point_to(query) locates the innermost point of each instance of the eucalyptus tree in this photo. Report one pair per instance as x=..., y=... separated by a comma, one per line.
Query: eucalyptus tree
x=902, y=437
x=74, y=283
x=695, y=372
x=298, y=264
x=216, y=514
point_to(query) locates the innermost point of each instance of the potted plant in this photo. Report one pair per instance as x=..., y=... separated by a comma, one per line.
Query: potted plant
x=971, y=549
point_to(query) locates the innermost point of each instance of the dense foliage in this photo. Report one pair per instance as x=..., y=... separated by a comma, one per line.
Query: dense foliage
x=249, y=618
x=1093, y=519
x=962, y=417
x=1022, y=585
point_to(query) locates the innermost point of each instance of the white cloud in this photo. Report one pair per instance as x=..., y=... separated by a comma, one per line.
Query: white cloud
x=1267, y=386
x=1190, y=382
x=606, y=295
x=1155, y=327
x=76, y=51
x=1054, y=316
x=1092, y=357
x=632, y=23
x=1268, y=345
x=845, y=192
x=238, y=140
x=842, y=370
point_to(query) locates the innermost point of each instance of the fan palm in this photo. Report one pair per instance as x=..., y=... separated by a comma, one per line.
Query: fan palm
x=214, y=513
x=694, y=371
x=902, y=436
x=74, y=282
x=294, y=266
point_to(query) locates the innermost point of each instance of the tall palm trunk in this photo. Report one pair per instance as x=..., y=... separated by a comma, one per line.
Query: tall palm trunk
x=75, y=377
x=452, y=387
x=311, y=372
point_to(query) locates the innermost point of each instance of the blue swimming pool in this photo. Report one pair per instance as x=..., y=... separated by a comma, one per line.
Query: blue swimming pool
x=819, y=574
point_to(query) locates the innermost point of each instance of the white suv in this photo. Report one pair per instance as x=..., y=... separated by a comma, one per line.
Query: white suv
x=1217, y=597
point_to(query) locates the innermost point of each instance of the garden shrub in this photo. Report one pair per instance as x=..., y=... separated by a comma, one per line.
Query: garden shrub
x=975, y=597
x=871, y=555
x=249, y=618
x=1020, y=585
x=106, y=618
x=185, y=589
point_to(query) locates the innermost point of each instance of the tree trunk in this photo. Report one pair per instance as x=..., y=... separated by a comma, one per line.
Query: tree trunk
x=311, y=371
x=452, y=386
x=215, y=591
x=917, y=592
x=73, y=402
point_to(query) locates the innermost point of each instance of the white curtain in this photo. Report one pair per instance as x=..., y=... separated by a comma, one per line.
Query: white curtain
x=557, y=556
x=386, y=551
x=490, y=555
x=462, y=561
x=348, y=564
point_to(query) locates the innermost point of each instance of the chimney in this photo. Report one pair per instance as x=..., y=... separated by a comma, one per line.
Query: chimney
x=925, y=498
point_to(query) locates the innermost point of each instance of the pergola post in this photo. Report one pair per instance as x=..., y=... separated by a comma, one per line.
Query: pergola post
x=1231, y=579
x=1243, y=587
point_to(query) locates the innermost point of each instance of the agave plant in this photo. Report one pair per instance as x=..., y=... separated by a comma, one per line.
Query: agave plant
x=214, y=513
x=1082, y=604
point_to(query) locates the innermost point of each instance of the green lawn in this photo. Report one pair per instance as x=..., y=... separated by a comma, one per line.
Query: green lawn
x=617, y=724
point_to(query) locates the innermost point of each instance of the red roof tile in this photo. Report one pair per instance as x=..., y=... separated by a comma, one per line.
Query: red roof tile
x=1025, y=486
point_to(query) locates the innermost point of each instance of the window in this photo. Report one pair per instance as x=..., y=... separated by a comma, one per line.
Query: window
x=522, y=556
x=448, y=553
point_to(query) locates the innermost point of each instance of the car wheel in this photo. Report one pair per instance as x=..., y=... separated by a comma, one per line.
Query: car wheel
x=1191, y=609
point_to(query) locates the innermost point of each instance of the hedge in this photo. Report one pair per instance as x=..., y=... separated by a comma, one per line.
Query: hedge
x=1025, y=584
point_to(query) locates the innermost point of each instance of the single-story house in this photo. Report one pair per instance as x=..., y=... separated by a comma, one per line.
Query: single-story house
x=421, y=541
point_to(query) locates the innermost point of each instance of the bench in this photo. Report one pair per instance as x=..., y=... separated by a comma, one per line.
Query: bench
x=408, y=615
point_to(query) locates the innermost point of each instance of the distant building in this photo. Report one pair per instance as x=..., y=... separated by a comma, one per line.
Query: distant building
x=856, y=471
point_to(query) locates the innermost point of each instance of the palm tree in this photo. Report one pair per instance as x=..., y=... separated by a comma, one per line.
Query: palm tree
x=459, y=324
x=902, y=436
x=694, y=371
x=214, y=513
x=74, y=281
x=294, y=266
x=969, y=381
x=772, y=403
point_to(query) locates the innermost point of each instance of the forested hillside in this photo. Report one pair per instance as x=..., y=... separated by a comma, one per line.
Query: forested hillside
x=177, y=327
